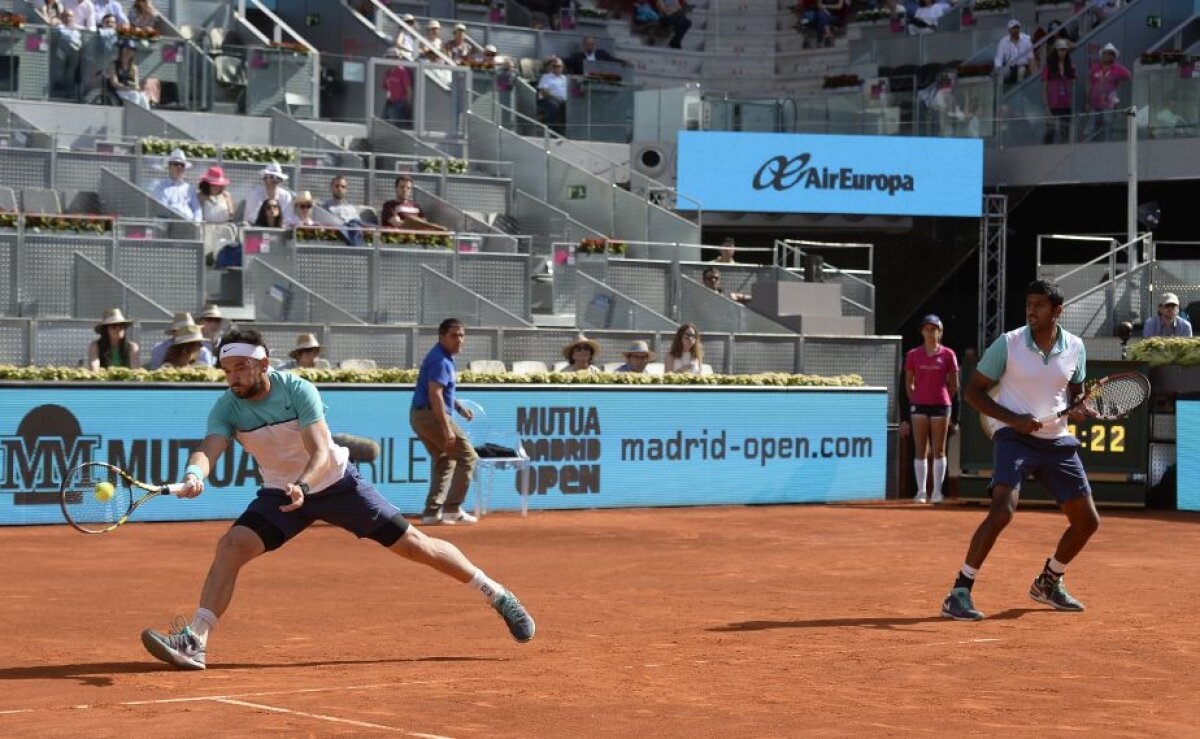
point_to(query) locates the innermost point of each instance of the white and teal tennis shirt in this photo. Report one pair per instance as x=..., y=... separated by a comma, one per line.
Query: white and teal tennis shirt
x=270, y=430
x=1032, y=382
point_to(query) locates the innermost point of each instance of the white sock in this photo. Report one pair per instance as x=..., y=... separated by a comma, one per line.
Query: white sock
x=203, y=622
x=968, y=571
x=939, y=473
x=1058, y=568
x=491, y=589
x=921, y=467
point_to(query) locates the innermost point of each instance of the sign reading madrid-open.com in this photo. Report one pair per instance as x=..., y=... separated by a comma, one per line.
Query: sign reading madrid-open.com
x=802, y=173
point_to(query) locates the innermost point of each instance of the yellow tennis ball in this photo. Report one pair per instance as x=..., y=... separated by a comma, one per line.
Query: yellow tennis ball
x=104, y=491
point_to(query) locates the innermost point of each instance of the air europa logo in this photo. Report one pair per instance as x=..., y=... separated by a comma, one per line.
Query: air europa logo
x=781, y=173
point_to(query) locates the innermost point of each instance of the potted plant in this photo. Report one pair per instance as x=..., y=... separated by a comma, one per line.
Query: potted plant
x=1174, y=363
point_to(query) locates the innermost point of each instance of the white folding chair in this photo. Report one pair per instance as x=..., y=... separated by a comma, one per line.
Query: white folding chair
x=529, y=366
x=483, y=430
x=486, y=365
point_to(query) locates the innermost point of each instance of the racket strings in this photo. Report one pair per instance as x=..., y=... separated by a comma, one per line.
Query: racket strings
x=82, y=504
x=1119, y=397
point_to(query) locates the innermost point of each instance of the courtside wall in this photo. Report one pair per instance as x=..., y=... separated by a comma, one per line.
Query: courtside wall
x=590, y=446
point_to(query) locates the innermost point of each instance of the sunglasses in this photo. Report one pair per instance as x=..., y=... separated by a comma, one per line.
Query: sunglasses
x=689, y=334
x=304, y=206
x=712, y=278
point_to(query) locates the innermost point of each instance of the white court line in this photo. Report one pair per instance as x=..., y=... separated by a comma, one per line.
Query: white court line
x=297, y=691
x=323, y=717
x=19, y=710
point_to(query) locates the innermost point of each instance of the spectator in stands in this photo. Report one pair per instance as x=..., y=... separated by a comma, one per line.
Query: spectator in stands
x=175, y=192
x=487, y=55
x=1014, y=54
x=406, y=41
x=108, y=23
x=123, y=78
x=270, y=214
x=588, y=52
x=341, y=208
x=1049, y=35
x=271, y=188
x=581, y=353
x=397, y=83
x=1059, y=76
x=105, y=8
x=66, y=41
x=637, y=356
x=433, y=41
x=181, y=324
x=673, y=14
x=712, y=280
x=458, y=48
x=1104, y=79
x=1168, y=322
x=552, y=96
x=113, y=348
x=143, y=14
x=302, y=210
x=187, y=350
x=211, y=323
x=51, y=12
x=216, y=204
x=403, y=212
x=686, y=355
x=84, y=12
x=927, y=16
x=931, y=384
x=306, y=354
x=727, y=251
x=1102, y=10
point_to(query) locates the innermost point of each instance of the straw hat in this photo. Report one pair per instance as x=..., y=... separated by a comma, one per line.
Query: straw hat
x=460, y=27
x=112, y=317
x=190, y=335
x=581, y=340
x=215, y=176
x=178, y=157
x=304, y=341
x=181, y=322
x=638, y=347
x=433, y=24
x=408, y=18
x=211, y=311
x=489, y=49
x=274, y=170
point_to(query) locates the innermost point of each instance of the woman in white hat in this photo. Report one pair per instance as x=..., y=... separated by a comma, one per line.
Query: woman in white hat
x=433, y=41
x=637, y=356
x=185, y=349
x=113, y=348
x=1168, y=322
x=406, y=41
x=1104, y=78
x=305, y=355
x=581, y=353
x=271, y=188
x=459, y=48
x=1059, y=78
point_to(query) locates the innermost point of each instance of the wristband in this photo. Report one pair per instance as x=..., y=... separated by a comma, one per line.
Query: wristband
x=194, y=469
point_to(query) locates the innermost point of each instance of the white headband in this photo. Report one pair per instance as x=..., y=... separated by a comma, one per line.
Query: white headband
x=254, y=351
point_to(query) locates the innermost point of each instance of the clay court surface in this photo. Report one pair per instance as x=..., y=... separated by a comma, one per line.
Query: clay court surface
x=774, y=621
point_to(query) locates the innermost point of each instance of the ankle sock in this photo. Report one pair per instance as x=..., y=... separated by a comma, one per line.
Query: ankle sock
x=1054, y=569
x=203, y=622
x=966, y=577
x=491, y=589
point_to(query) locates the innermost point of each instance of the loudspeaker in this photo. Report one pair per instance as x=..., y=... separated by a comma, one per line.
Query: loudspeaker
x=654, y=159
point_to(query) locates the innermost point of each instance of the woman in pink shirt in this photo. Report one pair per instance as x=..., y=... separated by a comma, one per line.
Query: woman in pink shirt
x=931, y=382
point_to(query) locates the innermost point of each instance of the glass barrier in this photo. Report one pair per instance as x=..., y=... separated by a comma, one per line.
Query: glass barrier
x=1168, y=99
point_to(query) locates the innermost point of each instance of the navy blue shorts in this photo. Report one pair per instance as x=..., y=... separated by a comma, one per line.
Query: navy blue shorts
x=1054, y=462
x=933, y=411
x=351, y=503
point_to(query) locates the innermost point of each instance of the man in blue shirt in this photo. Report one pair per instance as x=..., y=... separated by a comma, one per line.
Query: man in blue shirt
x=175, y=192
x=279, y=419
x=450, y=450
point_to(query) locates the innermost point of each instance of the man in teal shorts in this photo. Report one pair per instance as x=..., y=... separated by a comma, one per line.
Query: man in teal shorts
x=280, y=420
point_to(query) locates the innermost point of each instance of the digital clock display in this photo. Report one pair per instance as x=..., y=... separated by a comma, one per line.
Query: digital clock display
x=1100, y=438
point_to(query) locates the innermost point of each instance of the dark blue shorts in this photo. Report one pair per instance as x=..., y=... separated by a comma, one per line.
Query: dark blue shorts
x=351, y=503
x=1054, y=462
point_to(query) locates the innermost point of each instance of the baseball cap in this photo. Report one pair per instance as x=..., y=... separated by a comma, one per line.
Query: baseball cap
x=931, y=318
x=1014, y=23
x=1169, y=299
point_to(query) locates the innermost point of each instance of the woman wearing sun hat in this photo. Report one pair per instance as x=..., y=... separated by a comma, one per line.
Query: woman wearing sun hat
x=185, y=349
x=580, y=353
x=931, y=382
x=306, y=354
x=113, y=348
x=216, y=205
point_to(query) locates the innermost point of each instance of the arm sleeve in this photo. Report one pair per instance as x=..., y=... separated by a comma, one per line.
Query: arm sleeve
x=952, y=360
x=1150, y=327
x=1080, y=372
x=309, y=408
x=994, y=360
x=910, y=363
x=1185, y=328
x=219, y=420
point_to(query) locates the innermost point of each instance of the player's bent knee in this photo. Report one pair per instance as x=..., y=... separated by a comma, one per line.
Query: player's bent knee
x=240, y=544
x=391, y=531
x=252, y=527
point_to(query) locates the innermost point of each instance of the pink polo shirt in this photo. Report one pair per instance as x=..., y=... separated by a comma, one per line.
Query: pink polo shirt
x=929, y=375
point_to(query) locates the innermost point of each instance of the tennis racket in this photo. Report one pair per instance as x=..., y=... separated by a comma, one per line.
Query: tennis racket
x=89, y=511
x=1110, y=398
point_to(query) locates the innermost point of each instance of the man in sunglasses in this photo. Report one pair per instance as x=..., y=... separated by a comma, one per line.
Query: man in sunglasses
x=712, y=280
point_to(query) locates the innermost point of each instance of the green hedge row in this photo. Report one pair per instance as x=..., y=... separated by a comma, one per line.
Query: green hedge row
x=409, y=376
x=1161, y=350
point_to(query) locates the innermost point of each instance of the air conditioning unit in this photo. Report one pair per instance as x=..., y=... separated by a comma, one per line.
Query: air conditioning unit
x=654, y=159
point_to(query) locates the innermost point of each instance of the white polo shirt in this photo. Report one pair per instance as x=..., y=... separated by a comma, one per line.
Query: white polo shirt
x=1032, y=382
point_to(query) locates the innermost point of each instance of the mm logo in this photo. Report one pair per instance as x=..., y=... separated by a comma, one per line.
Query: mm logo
x=34, y=461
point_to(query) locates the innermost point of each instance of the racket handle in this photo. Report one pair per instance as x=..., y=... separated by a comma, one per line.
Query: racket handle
x=1054, y=416
x=172, y=489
